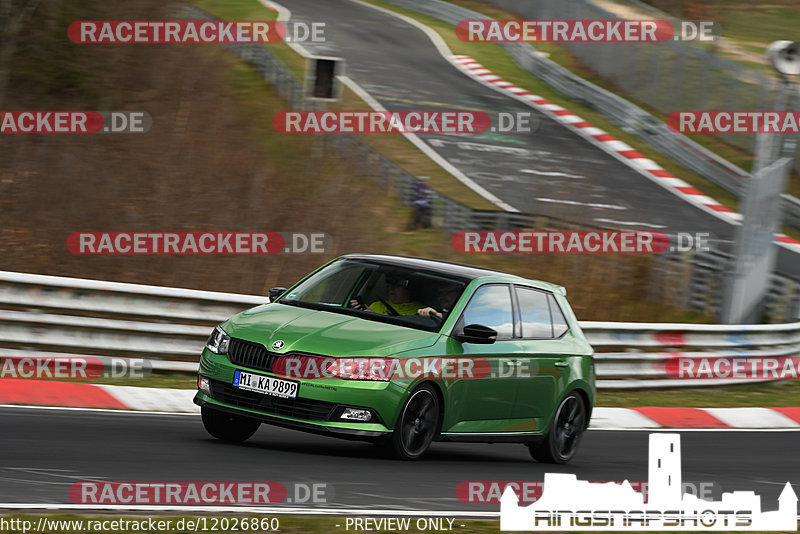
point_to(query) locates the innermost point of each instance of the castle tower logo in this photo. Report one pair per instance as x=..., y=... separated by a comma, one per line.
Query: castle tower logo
x=571, y=504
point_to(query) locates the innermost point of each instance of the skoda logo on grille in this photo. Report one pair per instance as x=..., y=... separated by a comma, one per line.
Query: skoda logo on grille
x=278, y=345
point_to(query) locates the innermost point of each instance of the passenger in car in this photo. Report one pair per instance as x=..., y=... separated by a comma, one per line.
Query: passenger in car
x=446, y=296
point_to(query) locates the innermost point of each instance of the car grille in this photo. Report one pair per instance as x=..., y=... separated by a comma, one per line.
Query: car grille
x=252, y=355
x=297, y=408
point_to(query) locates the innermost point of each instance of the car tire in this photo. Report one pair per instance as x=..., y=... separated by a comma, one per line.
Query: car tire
x=417, y=424
x=228, y=427
x=566, y=430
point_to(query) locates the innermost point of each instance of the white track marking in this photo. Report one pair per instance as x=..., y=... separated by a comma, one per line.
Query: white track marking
x=630, y=223
x=428, y=151
x=576, y=203
x=285, y=15
x=551, y=173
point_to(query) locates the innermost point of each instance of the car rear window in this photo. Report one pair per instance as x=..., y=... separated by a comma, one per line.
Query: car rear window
x=540, y=314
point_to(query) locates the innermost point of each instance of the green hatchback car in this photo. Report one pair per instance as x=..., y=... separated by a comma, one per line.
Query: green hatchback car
x=404, y=352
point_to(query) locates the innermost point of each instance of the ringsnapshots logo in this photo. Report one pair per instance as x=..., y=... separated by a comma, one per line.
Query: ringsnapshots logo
x=567, y=503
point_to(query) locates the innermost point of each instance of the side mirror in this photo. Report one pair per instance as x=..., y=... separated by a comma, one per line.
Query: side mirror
x=276, y=292
x=477, y=333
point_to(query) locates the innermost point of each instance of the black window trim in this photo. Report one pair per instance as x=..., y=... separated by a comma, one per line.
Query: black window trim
x=550, y=312
x=458, y=328
x=564, y=315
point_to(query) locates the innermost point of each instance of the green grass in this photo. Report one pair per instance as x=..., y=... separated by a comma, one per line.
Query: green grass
x=773, y=394
x=744, y=20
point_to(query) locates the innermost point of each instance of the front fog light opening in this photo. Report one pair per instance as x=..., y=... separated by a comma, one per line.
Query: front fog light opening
x=356, y=414
x=204, y=385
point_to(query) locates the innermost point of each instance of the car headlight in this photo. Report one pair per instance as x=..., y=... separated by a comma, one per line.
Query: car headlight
x=219, y=341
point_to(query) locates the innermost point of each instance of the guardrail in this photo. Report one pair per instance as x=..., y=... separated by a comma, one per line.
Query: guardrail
x=618, y=110
x=49, y=317
x=702, y=272
x=640, y=366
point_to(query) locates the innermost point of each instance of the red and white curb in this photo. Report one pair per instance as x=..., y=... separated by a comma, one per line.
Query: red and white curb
x=620, y=150
x=82, y=395
x=655, y=417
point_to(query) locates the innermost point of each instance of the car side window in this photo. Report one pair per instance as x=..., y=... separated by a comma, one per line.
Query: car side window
x=491, y=306
x=534, y=310
x=560, y=324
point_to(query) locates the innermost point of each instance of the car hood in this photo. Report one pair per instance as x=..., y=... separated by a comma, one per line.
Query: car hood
x=322, y=332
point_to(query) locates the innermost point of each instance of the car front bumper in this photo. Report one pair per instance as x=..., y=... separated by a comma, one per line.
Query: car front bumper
x=317, y=407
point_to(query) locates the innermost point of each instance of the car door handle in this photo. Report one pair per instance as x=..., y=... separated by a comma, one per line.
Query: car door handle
x=562, y=363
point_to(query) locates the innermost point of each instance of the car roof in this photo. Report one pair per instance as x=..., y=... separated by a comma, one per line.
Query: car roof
x=453, y=269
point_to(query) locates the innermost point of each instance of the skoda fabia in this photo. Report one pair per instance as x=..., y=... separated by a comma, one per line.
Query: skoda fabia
x=404, y=352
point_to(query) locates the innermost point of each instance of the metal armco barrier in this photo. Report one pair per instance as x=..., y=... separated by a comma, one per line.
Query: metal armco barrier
x=617, y=109
x=49, y=316
x=703, y=271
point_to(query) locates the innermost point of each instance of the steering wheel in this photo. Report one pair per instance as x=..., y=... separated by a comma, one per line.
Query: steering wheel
x=391, y=310
x=435, y=318
x=359, y=301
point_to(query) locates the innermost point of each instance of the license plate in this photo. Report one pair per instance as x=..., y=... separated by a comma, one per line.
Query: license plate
x=267, y=385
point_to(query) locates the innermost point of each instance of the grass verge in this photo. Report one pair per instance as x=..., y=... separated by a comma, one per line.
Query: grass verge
x=770, y=394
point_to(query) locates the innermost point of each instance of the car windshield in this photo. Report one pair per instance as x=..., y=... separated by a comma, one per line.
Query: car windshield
x=381, y=292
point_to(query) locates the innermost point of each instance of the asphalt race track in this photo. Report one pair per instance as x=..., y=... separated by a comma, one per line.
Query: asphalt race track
x=44, y=451
x=549, y=171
